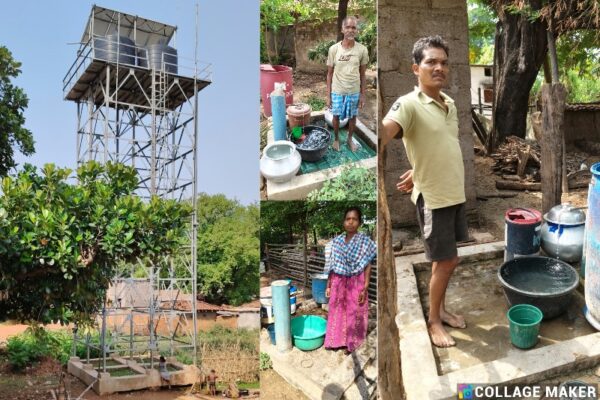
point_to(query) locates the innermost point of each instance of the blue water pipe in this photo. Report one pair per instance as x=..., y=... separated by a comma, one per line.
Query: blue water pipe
x=278, y=110
x=280, y=292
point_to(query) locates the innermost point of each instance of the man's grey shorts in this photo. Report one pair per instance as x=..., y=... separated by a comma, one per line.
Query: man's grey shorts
x=441, y=229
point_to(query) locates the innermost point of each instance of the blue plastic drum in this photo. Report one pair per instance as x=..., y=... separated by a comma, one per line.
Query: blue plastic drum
x=592, y=246
x=319, y=285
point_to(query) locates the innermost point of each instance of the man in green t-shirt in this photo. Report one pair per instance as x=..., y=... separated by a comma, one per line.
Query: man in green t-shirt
x=426, y=120
x=346, y=65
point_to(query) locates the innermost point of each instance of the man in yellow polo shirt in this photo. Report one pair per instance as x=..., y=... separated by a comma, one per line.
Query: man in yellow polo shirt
x=346, y=65
x=426, y=120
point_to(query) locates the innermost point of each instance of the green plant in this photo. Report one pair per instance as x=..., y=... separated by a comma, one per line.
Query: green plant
x=36, y=342
x=184, y=358
x=220, y=338
x=227, y=250
x=61, y=243
x=22, y=352
x=582, y=88
x=265, y=361
x=13, y=102
x=316, y=103
x=354, y=183
x=320, y=51
x=367, y=35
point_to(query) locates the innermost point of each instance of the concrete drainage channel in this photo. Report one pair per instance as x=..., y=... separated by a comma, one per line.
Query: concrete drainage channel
x=483, y=353
x=125, y=375
x=327, y=375
x=301, y=185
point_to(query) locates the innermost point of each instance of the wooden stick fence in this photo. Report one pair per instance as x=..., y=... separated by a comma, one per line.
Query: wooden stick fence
x=298, y=262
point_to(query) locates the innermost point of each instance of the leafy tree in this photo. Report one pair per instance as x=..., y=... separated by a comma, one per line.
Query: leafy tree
x=60, y=243
x=228, y=253
x=482, y=28
x=522, y=38
x=276, y=14
x=281, y=220
x=13, y=102
x=286, y=222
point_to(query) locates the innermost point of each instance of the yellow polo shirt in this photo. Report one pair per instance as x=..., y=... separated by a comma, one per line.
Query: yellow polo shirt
x=430, y=136
x=346, y=67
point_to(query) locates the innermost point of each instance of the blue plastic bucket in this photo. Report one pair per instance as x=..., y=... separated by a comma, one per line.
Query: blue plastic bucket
x=522, y=235
x=271, y=330
x=319, y=285
x=293, y=291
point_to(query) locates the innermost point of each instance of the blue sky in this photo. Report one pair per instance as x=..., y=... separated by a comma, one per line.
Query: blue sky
x=38, y=34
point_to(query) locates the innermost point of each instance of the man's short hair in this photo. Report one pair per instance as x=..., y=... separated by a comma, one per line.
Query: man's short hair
x=426, y=43
x=348, y=18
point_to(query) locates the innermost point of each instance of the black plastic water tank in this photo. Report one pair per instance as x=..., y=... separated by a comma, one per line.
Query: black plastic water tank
x=156, y=54
x=114, y=48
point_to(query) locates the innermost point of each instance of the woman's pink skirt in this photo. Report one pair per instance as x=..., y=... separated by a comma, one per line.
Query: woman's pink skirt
x=347, y=320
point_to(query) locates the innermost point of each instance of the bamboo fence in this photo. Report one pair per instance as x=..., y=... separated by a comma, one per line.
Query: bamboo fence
x=298, y=262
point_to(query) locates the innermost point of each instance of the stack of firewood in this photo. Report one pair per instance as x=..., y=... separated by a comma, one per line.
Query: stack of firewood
x=514, y=155
x=518, y=162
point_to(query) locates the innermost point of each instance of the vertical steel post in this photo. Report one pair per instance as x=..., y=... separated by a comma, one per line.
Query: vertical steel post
x=195, y=201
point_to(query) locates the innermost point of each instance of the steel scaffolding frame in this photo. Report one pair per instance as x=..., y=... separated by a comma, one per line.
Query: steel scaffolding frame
x=144, y=116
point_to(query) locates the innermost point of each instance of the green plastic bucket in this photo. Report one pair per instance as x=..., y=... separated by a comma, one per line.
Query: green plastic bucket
x=524, y=323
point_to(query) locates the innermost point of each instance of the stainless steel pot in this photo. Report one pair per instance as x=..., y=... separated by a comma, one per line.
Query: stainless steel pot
x=280, y=161
x=562, y=233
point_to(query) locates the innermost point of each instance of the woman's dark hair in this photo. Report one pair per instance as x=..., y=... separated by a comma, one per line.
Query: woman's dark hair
x=360, y=220
x=162, y=358
x=428, y=42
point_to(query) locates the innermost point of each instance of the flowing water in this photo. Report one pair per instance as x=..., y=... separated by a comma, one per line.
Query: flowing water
x=548, y=278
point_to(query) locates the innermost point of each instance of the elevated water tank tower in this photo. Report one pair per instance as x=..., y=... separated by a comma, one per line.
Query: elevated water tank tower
x=137, y=104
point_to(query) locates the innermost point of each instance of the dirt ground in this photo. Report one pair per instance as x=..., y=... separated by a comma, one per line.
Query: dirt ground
x=274, y=387
x=8, y=329
x=36, y=383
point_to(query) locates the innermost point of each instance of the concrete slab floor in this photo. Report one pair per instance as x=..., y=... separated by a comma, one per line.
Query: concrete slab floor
x=475, y=292
x=301, y=185
x=546, y=362
x=326, y=374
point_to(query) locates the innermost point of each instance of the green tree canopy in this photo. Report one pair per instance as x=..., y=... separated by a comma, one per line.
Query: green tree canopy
x=13, y=102
x=285, y=222
x=60, y=243
x=228, y=250
x=482, y=29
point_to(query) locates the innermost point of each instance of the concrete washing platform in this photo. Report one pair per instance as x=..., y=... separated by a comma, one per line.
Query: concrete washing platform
x=301, y=185
x=135, y=376
x=483, y=353
x=325, y=374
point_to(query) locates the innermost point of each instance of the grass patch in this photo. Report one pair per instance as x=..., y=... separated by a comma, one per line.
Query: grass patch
x=248, y=385
x=35, y=343
x=316, y=103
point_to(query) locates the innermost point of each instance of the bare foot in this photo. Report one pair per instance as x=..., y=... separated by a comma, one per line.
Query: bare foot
x=351, y=145
x=453, y=320
x=439, y=336
x=336, y=145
